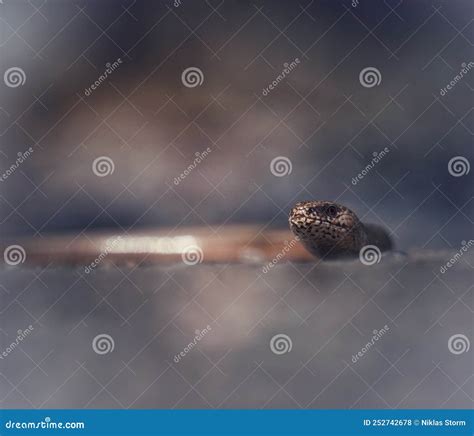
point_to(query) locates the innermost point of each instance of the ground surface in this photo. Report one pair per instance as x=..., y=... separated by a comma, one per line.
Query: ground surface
x=328, y=312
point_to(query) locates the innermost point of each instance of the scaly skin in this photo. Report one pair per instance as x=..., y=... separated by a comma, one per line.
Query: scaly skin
x=329, y=230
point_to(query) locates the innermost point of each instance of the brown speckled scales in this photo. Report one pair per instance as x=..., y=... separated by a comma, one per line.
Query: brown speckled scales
x=330, y=230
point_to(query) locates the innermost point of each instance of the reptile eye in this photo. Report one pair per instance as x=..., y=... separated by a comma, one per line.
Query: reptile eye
x=331, y=210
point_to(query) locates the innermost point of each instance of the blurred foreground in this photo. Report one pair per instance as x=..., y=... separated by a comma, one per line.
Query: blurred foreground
x=293, y=337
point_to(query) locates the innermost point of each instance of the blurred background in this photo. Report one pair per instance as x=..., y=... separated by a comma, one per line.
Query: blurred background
x=319, y=116
x=133, y=115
